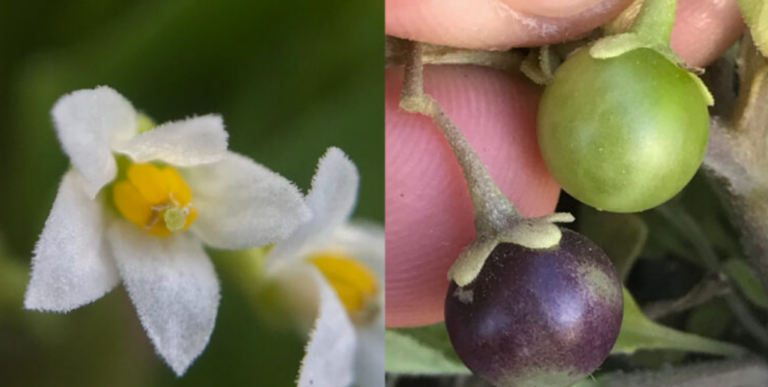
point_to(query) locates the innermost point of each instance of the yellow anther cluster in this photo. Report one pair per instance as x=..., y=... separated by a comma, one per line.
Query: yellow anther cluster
x=154, y=199
x=355, y=284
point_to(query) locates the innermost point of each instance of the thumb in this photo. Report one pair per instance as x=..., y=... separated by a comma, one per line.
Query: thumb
x=497, y=24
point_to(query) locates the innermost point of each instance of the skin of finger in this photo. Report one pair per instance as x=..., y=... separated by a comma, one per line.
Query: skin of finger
x=429, y=213
x=494, y=24
x=552, y=8
x=705, y=29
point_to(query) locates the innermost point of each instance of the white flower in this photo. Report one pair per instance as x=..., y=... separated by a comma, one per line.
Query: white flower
x=340, y=266
x=123, y=210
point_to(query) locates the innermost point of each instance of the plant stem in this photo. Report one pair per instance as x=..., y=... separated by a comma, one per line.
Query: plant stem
x=655, y=21
x=704, y=291
x=493, y=211
x=246, y=268
x=747, y=319
x=696, y=237
x=397, y=51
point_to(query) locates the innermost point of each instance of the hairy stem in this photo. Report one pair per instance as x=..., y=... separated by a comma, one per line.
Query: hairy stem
x=496, y=218
x=703, y=292
x=678, y=217
x=397, y=51
x=492, y=209
x=737, y=158
x=655, y=20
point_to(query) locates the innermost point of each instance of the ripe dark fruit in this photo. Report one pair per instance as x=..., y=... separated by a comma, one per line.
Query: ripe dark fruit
x=537, y=318
x=623, y=134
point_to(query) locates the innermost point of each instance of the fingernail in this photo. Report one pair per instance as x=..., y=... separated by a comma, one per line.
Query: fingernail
x=552, y=8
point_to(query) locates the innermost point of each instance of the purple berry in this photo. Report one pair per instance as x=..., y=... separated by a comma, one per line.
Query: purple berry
x=537, y=318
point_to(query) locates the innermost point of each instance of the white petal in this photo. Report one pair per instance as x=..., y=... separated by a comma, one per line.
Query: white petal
x=243, y=204
x=369, y=359
x=194, y=141
x=329, y=361
x=331, y=201
x=365, y=242
x=72, y=266
x=89, y=122
x=174, y=287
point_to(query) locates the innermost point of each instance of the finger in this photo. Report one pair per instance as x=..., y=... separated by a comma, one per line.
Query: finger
x=497, y=24
x=429, y=213
x=705, y=29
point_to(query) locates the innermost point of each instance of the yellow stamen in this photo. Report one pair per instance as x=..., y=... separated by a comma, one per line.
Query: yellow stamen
x=355, y=284
x=156, y=200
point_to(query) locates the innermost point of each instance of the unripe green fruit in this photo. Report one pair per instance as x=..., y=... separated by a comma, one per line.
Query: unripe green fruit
x=623, y=134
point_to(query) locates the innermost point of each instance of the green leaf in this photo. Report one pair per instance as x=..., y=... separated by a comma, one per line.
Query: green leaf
x=422, y=351
x=621, y=236
x=712, y=319
x=640, y=333
x=756, y=15
x=747, y=281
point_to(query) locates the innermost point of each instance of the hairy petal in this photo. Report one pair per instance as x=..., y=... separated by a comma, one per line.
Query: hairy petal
x=329, y=360
x=89, y=123
x=365, y=241
x=243, y=204
x=186, y=143
x=174, y=287
x=331, y=202
x=71, y=266
x=369, y=359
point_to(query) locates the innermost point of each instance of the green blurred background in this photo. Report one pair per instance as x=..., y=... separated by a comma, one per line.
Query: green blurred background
x=289, y=78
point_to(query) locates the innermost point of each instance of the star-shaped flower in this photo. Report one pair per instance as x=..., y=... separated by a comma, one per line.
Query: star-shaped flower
x=138, y=205
x=340, y=265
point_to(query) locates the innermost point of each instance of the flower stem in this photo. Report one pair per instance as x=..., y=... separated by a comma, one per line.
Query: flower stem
x=493, y=210
x=655, y=21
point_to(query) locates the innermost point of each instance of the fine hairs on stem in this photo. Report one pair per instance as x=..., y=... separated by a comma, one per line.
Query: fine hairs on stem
x=496, y=218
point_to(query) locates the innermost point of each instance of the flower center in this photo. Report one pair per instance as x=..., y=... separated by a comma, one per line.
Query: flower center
x=156, y=200
x=355, y=284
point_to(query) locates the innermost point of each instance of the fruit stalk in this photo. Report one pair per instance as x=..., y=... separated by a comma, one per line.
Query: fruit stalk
x=491, y=207
x=397, y=50
x=496, y=218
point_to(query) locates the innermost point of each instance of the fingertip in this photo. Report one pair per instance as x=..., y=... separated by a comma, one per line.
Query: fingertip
x=497, y=24
x=553, y=8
